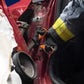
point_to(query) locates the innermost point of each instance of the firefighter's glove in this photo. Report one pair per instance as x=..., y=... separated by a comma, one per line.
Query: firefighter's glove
x=49, y=45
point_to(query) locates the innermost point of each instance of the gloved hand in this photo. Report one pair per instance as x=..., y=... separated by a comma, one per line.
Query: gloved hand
x=49, y=45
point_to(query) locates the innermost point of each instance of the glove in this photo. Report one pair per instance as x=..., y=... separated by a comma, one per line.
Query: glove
x=49, y=45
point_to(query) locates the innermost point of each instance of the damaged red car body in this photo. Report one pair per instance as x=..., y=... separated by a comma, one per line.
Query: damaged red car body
x=48, y=16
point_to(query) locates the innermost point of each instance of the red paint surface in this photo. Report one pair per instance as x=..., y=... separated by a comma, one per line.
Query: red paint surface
x=17, y=9
x=40, y=58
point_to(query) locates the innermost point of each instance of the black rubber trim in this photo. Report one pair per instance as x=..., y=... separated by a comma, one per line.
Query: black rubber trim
x=17, y=63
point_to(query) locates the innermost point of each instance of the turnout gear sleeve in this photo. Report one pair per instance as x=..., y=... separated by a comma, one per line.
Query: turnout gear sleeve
x=70, y=22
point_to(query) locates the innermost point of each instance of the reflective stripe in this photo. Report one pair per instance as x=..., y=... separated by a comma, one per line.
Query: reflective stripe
x=61, y=29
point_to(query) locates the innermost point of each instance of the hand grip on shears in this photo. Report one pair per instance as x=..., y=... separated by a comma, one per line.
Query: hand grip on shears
x=41, y=36
x=47, y=49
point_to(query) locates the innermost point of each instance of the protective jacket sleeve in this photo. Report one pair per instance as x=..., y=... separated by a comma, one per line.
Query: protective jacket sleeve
x=70, y=22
